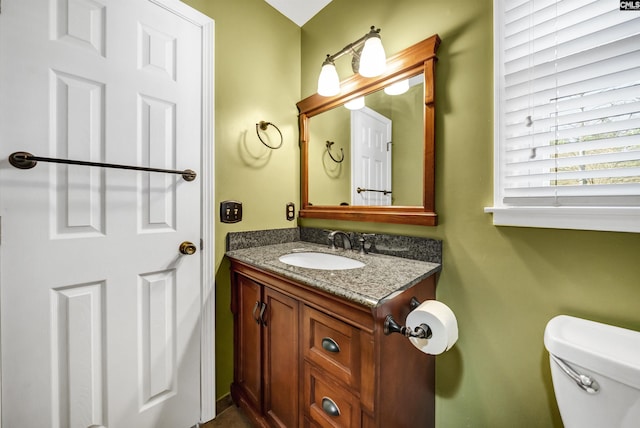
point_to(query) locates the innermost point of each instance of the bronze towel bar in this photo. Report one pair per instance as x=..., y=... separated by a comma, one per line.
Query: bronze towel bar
x=386, y=192
x=25, y=160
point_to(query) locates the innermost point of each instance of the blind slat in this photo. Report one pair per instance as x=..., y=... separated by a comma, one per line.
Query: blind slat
x=611, y=51
x=628, y=190
x=587, y=101
x=627, y=27
x=578, y=175
x=627, y=142
x=544, y=138
x=538, y=165
x=588, y=69
x=618, y=78
x=560, y=120
x=564, y=28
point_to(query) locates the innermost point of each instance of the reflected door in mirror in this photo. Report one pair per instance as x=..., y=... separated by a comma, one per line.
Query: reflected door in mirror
x=371, y=159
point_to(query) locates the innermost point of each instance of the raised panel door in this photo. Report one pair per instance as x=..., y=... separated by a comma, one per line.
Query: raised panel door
x=281, y=359
x=248, y=341
x=371, y=160
x=100, y=312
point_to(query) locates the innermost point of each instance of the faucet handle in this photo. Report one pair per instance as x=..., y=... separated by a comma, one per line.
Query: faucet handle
x=363, y=241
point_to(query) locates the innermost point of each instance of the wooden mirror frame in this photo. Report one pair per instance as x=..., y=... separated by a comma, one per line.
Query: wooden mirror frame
x=416, y=59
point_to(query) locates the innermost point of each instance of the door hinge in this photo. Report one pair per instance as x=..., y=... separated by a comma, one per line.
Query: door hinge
x=388, y=144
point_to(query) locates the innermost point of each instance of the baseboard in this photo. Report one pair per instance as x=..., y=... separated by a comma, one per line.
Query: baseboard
x=223, y=403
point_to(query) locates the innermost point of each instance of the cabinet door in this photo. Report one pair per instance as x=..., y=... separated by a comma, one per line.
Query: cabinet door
x=281, y=359
x=248, y=340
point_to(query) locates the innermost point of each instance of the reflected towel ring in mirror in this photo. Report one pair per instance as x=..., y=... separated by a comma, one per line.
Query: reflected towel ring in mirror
x=329, y=144
x=263, y=126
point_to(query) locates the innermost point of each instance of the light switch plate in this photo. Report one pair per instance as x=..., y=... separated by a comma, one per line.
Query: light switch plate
x=230, y=211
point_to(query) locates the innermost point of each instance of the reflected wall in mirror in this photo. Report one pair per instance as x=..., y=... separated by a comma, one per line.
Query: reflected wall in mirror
x=388, y=169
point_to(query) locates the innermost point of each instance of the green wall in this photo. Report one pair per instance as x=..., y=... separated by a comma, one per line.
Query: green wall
x=330, y=181
x=407, y=113
x=257, y=77
x=503, y=283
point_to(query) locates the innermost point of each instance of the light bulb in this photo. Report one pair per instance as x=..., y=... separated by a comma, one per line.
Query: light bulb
x=355, y=104
x=328, y=82
x=397, y=88
x=372, y=59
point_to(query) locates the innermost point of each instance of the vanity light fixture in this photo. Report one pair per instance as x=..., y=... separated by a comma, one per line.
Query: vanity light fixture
x=397, y=88
x=355, y=104
x=369, y=59
x=328, y=82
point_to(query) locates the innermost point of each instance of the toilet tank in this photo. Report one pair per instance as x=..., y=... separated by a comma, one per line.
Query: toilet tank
x=611, y=357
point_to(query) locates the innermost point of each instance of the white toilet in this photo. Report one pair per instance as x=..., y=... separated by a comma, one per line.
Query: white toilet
x=596, y=373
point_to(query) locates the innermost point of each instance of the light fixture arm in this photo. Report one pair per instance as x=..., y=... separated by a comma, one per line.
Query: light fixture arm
x=354, y=46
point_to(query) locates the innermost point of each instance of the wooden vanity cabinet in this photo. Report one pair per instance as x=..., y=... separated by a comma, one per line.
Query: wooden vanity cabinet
x=307, y=358
x=266, y=326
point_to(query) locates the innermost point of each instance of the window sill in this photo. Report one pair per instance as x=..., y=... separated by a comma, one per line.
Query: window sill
x=612, y=219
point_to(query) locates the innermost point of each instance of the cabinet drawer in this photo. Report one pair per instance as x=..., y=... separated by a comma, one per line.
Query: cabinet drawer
x=333, y=345
x=327, y=402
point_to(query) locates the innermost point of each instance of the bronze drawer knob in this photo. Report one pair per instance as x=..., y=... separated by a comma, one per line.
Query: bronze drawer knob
x=330, y=345
x=330, y=407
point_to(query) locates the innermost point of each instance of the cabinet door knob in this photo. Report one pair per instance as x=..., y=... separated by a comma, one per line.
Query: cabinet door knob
x=329, y=407
x=330, y=345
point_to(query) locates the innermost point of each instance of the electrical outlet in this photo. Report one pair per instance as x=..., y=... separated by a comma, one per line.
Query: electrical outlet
x=230, y=211
x=291, y=211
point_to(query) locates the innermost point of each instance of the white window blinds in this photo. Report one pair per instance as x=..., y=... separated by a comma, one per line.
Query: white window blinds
x=568, y=104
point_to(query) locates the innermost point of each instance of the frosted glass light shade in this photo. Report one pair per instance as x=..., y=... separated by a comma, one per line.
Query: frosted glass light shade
x=328, y=82
x=372, y=59
x=355, y=104
x=397, y=88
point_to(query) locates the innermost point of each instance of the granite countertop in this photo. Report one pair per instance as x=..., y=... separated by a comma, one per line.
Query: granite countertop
x=370, y=285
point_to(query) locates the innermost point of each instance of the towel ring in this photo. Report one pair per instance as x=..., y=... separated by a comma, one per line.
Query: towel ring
x=263, y=126
x=329, y=144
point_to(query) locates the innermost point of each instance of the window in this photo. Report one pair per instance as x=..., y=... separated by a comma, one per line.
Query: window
x=567, y=114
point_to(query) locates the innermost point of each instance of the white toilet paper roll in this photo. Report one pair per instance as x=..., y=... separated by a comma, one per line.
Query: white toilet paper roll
x=442, y=322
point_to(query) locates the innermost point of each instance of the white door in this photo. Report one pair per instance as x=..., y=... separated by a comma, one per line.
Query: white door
x=100, y=313
x=371, y=158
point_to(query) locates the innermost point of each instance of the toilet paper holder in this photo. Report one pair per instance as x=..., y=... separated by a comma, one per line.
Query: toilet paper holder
x=423, y=331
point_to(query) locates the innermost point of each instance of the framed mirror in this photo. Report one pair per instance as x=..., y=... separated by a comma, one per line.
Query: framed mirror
x=376, y=162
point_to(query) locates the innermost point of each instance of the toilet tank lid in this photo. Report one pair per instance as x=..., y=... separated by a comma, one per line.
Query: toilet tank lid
x=600, y=348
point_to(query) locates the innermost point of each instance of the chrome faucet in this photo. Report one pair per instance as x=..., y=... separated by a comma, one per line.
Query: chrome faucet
x=345, y=240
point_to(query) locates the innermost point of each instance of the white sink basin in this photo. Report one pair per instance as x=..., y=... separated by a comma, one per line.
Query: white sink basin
x=324, y=261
